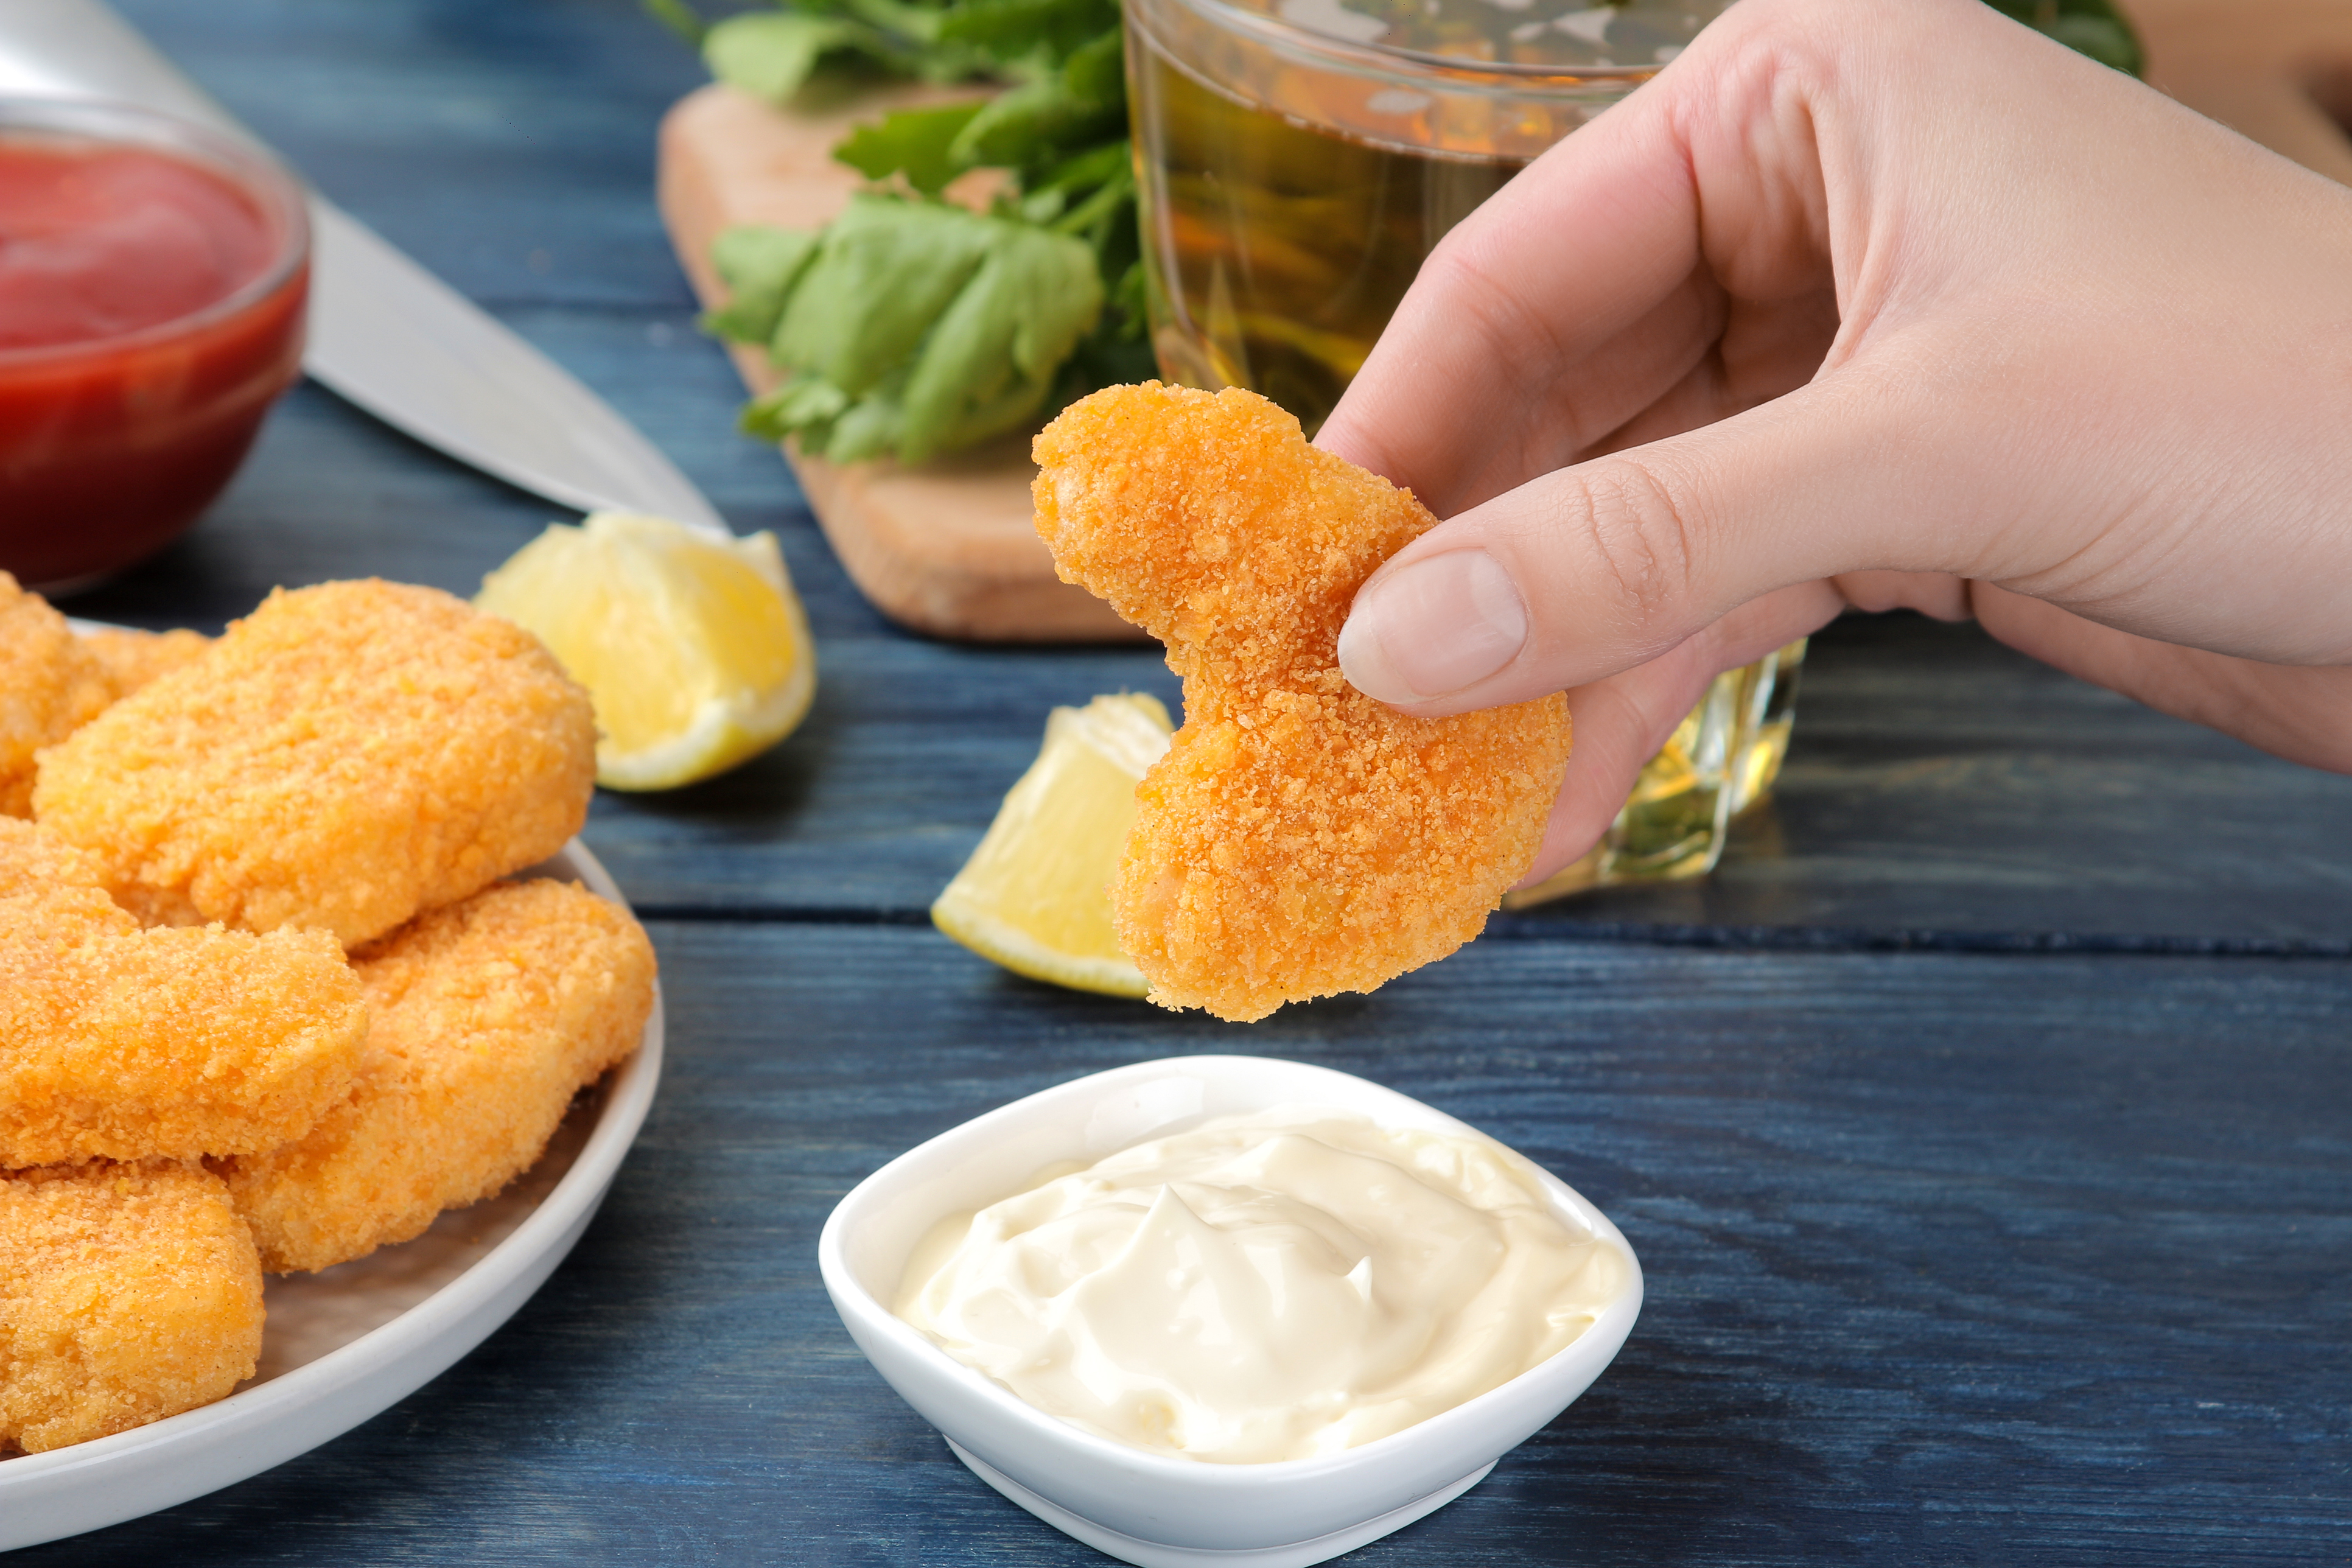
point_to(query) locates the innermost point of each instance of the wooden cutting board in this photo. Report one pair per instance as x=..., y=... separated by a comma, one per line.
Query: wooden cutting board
x=948, y=547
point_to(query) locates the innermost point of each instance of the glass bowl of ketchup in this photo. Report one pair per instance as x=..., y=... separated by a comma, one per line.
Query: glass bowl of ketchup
x=153, y=278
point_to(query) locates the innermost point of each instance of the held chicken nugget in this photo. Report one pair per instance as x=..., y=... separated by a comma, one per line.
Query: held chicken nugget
x=344, y=757
x=487, y=1018
x=128, y=1292
x=1299, y=839
x=51, y=685
x=121, y=1043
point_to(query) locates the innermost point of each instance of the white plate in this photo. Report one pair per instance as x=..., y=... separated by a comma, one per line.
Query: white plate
x=345, y=1343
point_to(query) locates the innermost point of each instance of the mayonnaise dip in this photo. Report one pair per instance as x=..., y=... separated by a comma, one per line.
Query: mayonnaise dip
x=1275, y=1286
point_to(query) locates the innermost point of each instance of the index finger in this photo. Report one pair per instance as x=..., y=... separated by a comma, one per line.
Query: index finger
x=1588, y=289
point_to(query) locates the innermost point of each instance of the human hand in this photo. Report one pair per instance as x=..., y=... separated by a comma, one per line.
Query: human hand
x=1876, y=303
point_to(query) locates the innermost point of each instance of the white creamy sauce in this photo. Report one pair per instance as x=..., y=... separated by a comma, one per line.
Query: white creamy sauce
x=1275, y=1286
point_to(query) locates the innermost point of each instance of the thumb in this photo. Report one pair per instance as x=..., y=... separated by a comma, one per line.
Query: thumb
x=1594, y=569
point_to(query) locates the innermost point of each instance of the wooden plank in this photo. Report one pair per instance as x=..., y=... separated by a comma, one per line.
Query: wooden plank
x=1943, y=789
x=1940, y=789
x=1950, y=1258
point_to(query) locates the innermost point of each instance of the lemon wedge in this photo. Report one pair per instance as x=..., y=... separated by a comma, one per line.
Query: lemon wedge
x=695, y=650
x=1036, y=895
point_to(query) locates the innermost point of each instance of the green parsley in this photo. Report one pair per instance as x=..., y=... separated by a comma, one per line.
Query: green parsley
x=914, y=327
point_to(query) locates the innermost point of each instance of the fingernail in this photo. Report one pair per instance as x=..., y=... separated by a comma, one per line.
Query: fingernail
x=1434, y=627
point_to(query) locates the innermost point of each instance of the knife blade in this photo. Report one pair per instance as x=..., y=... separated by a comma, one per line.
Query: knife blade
x=385, y=333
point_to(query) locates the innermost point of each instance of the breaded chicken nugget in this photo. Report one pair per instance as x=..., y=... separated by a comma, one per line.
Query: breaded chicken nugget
x=120, y=1043
x=133, y=659
x=50, y=685
x=488, y=1017
x=345, y=756
x=1299, y=839
x=127, y=1293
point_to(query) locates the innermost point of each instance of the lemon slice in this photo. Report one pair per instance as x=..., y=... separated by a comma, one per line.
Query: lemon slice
x=694, y=650
x=1036, y=895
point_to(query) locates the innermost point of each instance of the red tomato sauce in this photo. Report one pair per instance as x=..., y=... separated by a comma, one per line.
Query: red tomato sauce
x=99, y=241
x=141, y=345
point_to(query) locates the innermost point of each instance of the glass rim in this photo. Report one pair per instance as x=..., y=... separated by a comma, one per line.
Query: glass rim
x=1388, y=57
x=246, y=164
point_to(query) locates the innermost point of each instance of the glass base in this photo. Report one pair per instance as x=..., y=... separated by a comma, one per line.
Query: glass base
x=1721, y=758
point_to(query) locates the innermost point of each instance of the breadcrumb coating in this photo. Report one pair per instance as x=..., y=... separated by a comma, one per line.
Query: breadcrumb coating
x=133, y=659
x=128, y=1292
x=1299, y=839
x=344, y=757
x=120, y=1043
x=51, y=685
x=487, y=1018
x=39, y=867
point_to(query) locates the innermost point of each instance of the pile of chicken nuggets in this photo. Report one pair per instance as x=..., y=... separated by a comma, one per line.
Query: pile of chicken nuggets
x=267, y=1003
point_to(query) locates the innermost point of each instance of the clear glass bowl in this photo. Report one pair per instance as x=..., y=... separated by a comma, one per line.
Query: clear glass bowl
x=112, y=445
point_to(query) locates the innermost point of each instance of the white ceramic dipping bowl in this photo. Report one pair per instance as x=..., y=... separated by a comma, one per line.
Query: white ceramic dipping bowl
x=1149, y=1509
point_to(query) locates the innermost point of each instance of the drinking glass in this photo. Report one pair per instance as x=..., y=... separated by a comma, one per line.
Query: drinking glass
x=1299, y=158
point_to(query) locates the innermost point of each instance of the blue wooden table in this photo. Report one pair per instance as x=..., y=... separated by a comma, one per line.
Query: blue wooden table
x=1984, y=1125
